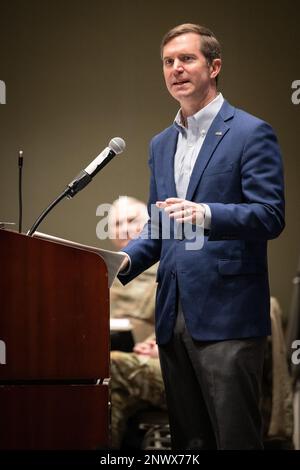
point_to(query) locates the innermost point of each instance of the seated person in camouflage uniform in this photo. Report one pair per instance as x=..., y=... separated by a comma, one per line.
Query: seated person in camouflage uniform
x=135, y=301
x=136, y=380
x=136, y=384
x=277, y=397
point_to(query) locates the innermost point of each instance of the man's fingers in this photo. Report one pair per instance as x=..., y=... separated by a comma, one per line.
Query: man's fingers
x=168, y=202
x=161, y=204
x=182, y=210
x=174, y=200
x=182, y=213
x=176, y=215
x=174, y=207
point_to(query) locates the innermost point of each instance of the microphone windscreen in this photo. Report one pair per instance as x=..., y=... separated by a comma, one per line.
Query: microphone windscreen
x=117, y=145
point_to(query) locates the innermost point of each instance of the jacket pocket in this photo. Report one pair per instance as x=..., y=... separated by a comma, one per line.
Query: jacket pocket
x=232, y=267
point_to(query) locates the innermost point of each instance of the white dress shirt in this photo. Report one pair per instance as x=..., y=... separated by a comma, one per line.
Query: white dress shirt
x=190, y=141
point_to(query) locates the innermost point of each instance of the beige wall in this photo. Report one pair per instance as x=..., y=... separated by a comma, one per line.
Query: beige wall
x=80, y=72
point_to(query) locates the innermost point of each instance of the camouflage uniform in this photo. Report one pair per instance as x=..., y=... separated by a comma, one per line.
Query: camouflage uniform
x=277, y=401
x=136, y=383
x=136, y=380
x=136, y=301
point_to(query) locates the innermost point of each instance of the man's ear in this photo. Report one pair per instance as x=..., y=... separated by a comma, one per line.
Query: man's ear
x=215, y=68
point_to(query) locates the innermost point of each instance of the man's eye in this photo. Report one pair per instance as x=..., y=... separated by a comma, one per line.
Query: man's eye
x=168, y=61
x=187, y=58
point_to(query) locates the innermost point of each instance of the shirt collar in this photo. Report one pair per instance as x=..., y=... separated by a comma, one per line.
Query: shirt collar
x=203, y=118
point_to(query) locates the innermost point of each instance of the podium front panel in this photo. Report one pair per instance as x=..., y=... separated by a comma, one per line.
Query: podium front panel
x=54, y=311
x=47, y=417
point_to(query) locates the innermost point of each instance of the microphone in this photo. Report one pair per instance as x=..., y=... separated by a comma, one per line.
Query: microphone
x=115, y=147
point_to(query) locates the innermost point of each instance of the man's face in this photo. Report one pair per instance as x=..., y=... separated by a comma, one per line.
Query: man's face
x=188, y=76
x=127, y=221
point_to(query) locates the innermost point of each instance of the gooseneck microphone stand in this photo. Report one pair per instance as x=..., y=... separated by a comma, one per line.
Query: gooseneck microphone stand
x=46, y=211
x=76, y=185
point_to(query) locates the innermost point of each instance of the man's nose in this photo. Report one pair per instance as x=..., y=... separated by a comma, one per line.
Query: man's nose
x=178, y=66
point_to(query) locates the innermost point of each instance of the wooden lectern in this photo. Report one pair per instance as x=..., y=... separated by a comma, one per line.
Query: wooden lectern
x=54, y=337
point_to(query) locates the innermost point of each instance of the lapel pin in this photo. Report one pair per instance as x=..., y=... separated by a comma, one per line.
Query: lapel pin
x=218, y=133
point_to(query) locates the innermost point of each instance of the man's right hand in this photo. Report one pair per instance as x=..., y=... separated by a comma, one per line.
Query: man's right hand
x=125, y=264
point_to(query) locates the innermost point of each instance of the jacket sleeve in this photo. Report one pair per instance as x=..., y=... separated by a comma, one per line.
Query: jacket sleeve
x=260, y=216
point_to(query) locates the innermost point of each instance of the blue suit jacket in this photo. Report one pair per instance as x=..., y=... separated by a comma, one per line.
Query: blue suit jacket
x=223, y=286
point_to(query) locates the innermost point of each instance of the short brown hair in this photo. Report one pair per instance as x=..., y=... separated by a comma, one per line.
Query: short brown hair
x=210, y=46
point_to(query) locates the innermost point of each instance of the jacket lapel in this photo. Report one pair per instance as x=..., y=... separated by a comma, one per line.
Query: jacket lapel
x=215, y=134
x=169, y=154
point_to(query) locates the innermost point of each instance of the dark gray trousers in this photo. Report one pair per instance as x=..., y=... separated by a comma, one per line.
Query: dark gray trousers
x=213, y=390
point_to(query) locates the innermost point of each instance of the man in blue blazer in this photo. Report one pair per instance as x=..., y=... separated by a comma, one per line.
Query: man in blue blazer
x=216, y=177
